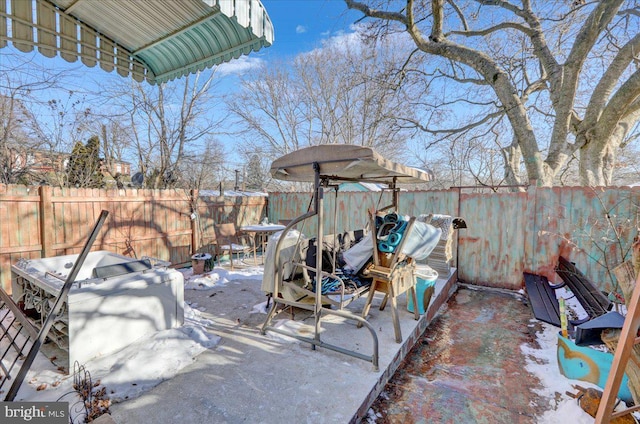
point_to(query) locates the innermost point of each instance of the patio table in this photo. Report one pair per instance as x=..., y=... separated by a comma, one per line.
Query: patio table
x=261, y=231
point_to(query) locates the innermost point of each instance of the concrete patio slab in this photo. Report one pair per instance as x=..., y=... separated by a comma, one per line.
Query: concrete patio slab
x=250, y=377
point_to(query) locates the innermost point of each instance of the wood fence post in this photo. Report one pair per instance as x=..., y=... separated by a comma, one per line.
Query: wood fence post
x=530, y=237
x=195, y=221
x=459, y=206
x=46, y=221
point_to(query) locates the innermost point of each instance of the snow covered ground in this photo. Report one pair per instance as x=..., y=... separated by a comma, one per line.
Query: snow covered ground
x=543, y=363
x=139, y=367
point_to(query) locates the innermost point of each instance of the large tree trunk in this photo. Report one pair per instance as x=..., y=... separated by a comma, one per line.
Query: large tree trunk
x=598, y=151
x=591, y=166
x=512, y=156
x=598, y=41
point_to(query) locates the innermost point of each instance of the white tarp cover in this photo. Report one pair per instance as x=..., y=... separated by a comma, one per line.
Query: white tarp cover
x=342, y=162
x=290, y=252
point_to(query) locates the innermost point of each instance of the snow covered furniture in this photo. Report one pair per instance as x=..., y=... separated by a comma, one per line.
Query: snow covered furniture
x=27, y=345
x=114, y=301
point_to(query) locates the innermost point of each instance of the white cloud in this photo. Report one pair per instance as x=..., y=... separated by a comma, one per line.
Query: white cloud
x=300, y=29
x=239, y=66
x=352, y=39
x=340, y=40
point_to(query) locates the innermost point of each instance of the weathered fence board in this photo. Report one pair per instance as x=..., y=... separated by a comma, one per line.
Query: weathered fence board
x=19, y=210
x=508, y=233
x=581, y=224
x=491, y=249
x=43, y=221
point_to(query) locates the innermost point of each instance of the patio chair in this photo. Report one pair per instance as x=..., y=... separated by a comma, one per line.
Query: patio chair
x=230, y=241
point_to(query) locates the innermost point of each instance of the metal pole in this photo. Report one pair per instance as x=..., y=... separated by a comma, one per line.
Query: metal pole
x=319, y=209
x=62, y=297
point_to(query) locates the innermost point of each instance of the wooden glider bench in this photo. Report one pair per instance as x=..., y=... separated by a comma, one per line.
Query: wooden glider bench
x=543, y=301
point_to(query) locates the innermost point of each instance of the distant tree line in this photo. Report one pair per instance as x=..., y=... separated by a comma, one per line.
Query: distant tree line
x=482, y=92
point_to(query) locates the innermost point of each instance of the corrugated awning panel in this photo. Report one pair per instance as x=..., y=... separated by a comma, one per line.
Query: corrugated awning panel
x=154, y=39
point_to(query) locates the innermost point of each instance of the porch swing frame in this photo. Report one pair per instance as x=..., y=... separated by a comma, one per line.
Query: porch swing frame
x=326, y=166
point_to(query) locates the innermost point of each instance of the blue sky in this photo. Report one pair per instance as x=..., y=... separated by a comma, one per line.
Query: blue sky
x=300, y=25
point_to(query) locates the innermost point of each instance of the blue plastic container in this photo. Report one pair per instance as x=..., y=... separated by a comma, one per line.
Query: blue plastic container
x=425, y=286
x=587, y=364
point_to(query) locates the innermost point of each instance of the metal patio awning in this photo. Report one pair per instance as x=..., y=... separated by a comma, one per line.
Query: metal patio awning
x=156, y=40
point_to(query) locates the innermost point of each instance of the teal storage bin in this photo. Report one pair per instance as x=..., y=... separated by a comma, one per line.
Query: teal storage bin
x=425, y=286
x=587, y=364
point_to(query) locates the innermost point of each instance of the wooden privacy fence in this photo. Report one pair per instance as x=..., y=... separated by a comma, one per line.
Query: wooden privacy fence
x=171, y=225
x=508, y=233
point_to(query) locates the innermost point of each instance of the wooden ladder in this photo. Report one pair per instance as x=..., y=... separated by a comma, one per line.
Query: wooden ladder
x=628, y=338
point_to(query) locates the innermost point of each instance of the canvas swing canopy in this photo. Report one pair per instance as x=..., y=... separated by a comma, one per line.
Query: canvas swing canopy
x=323, y=165
x=343, y=162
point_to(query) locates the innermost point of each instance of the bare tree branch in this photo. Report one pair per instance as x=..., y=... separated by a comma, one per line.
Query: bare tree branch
x=625, y=12
x=607, y=83
x=375, y=13
x=437, y=11
x=584, y=36
x=462, y=129
x=460, y=14
x=495, y=28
